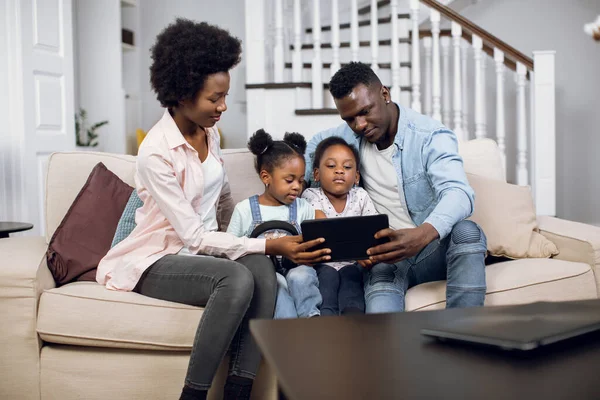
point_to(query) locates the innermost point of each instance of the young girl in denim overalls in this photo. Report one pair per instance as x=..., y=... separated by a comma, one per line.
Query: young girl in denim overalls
x=280, y=165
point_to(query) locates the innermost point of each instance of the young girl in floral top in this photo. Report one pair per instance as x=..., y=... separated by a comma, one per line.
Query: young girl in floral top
x=336, y=169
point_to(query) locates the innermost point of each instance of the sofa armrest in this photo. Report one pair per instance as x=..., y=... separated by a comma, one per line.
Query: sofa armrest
x=23, y=277
x=575, y=241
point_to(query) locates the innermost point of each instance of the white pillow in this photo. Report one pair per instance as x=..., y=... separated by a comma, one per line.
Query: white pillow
x=506, y=214
x=482, y=157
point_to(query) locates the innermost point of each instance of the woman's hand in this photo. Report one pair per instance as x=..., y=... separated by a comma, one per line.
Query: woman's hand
x=292, y=248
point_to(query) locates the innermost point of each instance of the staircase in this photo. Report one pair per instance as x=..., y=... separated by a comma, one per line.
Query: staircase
x=432, y=58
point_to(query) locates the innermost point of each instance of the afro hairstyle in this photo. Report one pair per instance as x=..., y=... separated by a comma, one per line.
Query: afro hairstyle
x=185, y=54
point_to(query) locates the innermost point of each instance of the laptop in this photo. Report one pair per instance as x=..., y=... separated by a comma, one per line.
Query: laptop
x=523, y=327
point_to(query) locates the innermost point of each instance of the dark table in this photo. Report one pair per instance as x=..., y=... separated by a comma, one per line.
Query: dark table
x=11, y=227
x=385, y=357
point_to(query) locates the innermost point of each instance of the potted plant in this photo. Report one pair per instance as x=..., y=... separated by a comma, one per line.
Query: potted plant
x=86, y=136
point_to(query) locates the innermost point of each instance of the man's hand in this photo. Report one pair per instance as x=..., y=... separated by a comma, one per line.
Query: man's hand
x=292, y=248
x=403, y=244
x=365, y=263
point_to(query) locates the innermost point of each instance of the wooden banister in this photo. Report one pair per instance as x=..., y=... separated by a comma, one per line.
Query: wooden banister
x=488, y=39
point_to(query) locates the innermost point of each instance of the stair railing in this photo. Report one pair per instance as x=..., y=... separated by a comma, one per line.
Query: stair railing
x=447, y=72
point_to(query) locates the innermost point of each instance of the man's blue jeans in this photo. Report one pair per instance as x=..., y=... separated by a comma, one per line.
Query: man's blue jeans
x=459, y=258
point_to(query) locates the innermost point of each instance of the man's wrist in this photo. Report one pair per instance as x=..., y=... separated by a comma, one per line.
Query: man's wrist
x=429, y=233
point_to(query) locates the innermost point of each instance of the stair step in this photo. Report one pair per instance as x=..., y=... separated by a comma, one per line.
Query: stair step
x=317, y=111
x=346, y=25
x=285, y=85
x=367, y=9
x=294, y=85
x=364, y=43
x=328, y=65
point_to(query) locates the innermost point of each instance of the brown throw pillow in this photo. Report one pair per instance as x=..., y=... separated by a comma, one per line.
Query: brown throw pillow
x=86, y=232
x=506, y=214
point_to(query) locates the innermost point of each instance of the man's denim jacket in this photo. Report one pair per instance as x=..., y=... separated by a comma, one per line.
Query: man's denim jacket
x=427, y=165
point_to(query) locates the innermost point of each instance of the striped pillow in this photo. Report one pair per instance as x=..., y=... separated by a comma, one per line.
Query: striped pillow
x=127, y=222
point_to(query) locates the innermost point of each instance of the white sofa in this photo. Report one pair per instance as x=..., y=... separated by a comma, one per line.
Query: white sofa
x=81, y=341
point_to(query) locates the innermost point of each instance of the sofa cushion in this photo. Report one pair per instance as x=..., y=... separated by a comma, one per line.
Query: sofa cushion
x=240, y=170
x=68, y=172
x=517, y=282
x=506, y=214
x=482, y=157
x=105, y=318
x=85, y=233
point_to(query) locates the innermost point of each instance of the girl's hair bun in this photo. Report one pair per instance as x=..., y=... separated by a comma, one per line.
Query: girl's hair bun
x=259, y=142
x=295, y=139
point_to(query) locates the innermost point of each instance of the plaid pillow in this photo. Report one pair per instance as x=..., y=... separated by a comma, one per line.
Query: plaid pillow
x=127, y=221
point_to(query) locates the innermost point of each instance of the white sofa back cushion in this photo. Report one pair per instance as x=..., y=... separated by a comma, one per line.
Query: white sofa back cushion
x=482, y=157
x=243, y=179
x=67, y=173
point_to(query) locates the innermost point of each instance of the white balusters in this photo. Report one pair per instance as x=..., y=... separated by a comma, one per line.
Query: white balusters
x=465, y=88
x=374, y=37
x=543, y=135
x=445, y=45
x=522, y=174
x=297, y=54
x=484, y=60
x=317, y=76
x=479, y=113
x=278, y=62
x=436, y=111
x=395, y=92
x=456, y=41
x=254, y=43
x=428, y=72
x=354, y=43
x=500, y=123
x=335, y=37
x=415, y=57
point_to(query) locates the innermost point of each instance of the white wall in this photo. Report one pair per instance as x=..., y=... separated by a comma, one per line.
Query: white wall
x=4, y=128
x=11, y=113
x=99, y=76
x=530, y=25
x=130, y=19
x=156, y=15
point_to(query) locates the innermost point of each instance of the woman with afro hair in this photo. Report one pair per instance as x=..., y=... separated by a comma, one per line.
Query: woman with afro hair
x=185, y=193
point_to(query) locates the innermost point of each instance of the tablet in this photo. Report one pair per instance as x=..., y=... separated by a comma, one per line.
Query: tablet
x=349, y=238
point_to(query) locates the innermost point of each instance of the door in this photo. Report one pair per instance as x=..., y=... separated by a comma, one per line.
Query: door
x=42, y=97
